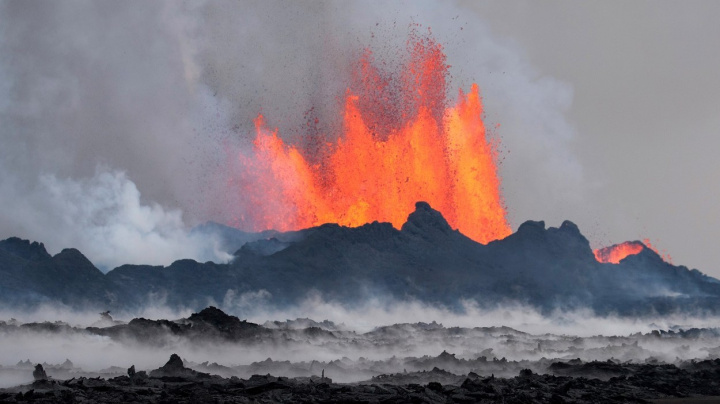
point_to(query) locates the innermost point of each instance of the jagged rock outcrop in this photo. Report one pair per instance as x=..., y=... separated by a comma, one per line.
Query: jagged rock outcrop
x=39, y=373
x=212, y=321
x=175, y=368
x=426, y=222
x=25, y=249
x=30, y=276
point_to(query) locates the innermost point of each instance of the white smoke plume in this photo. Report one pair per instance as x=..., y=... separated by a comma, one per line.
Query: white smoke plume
x=103, y=216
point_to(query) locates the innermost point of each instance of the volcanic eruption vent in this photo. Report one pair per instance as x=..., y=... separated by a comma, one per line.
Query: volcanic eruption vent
x=400, y=143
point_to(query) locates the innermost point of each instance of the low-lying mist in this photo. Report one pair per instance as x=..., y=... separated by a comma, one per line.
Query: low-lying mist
x=380, y=336
x=379, y=311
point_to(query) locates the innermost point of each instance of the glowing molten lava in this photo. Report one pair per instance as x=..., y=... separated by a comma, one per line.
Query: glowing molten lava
x=400, y=144
x=615, y=253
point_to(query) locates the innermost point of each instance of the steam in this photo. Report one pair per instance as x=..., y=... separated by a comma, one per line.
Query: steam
x=104, y=218
x=562, y=335
x=379, y=311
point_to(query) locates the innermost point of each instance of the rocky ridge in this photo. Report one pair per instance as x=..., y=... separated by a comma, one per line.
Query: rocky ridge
x=425, y=261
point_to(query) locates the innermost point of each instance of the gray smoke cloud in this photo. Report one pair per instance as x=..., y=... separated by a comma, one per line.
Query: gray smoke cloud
x=118, y=119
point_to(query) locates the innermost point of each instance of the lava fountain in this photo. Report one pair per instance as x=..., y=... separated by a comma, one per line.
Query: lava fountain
x=617, y=252
x=401, y=142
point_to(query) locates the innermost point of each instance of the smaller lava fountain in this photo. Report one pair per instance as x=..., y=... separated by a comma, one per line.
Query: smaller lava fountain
x=617, y=252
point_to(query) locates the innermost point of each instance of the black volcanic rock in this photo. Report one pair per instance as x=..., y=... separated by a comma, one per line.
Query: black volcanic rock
x=213, y=321
x=622, y=376
x=215, y=318
x=175, y=383
x=426, y=260
x=210, y=324
x=25, y=249
x=174, y=365
x=175, y=369
x=263, y=247
x=39, y=373
x=426, y=222
x=30, y=276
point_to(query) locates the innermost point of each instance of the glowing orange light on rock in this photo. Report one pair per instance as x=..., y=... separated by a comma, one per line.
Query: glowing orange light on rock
x=616, y=253
x=400, y=144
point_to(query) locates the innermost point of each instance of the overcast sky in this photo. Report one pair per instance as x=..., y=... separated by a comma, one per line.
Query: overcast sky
x=116, y=117
x=646, y=113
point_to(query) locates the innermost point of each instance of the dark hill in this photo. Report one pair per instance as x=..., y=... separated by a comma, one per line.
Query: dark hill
x=426, y=260
x=30, y=276
x=24, y=249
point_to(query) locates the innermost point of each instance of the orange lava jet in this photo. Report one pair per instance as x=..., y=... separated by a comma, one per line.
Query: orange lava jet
x=401, y=143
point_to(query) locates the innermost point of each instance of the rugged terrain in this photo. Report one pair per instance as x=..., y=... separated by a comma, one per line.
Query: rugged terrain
x=216, y=357
x=174, y=383
x=325, y=362
x=425, y=261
